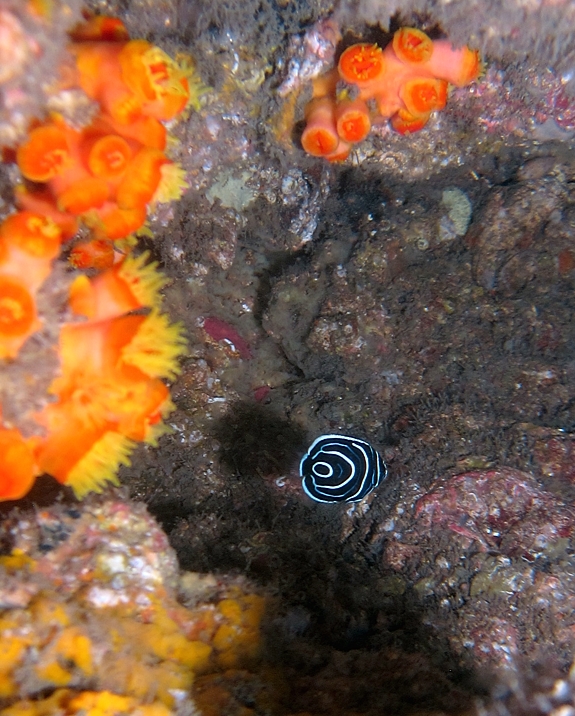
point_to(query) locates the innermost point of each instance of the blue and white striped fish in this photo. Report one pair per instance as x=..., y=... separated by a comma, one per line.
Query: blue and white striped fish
x=337, y=468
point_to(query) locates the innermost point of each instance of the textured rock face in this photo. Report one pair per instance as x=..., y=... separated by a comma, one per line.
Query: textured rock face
x=91, y=617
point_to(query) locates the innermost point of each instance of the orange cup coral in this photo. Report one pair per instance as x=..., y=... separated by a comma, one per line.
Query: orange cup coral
x=109, y=392
x=405, y=83
x=28, y=244
x=320, y=136
x=107, y=173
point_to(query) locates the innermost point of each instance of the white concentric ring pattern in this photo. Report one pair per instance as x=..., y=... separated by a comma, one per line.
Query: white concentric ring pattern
x=338, y=468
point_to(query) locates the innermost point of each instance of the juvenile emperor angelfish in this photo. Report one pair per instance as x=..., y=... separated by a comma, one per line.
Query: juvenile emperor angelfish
x=337, y=468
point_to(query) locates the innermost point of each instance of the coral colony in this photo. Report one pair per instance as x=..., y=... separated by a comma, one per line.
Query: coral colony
x=403, y=83
x=108, y=393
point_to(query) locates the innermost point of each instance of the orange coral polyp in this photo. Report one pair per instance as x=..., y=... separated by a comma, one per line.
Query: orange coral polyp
x=82, y=195
x=17, y=308
x=42, y=202
x=97, y=66
x=320, y=137
x=45, y=154
x=424, y=95
x=340, y=153
x=142, y=178
x=69, y=440
x=405, y=123
x=361, y=64
x=112, y=222
x=93, y=349
x=33, y=233
x=92, y=254
x=109, y=156
x=352, y=120
x=105, y=296
x=412, y=45
x=154, y=78
x=17, y=465
x=136, y=71
x=100, y=27
x=140, y=408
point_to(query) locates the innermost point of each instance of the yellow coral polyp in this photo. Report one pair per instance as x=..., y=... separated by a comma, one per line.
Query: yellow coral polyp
x=231, y=610
x=54, y=673
x=143, y=279
x=130, y=284
x=137, y=660
x=157, y=347
x=237, y=640
x=172, y=184
x=49, y=613
x=99, y=466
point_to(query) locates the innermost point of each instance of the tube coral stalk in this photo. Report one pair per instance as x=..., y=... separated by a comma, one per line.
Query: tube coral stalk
x=320, y=136
x=340, y=153
x=459, y=66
